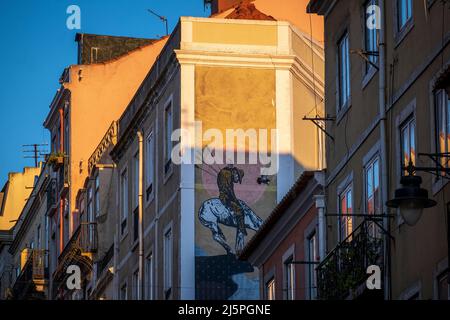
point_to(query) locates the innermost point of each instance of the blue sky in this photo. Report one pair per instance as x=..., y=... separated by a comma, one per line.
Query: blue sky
x=37, y=46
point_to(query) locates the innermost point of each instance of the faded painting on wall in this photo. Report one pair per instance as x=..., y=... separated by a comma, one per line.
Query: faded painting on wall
x=235, y=109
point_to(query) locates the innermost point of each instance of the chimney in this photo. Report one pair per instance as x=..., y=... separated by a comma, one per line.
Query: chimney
x=218, y=6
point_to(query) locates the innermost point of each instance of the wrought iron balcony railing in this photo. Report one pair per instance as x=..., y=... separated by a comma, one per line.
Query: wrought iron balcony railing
x=344, y=270
x=30, y=283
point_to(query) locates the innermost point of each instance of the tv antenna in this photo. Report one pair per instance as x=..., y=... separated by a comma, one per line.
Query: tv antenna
x=34, y=151
x=162, y=18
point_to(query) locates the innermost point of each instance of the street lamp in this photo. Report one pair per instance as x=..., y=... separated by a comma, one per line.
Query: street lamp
x=411, y=199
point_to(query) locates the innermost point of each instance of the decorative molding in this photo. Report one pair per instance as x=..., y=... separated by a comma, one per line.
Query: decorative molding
x=110, y=138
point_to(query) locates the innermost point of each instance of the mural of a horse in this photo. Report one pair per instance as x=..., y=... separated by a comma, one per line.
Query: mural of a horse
x=212, y=213
x=221, y=211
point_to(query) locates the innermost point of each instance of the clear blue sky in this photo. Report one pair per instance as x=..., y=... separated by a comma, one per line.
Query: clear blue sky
x=37, y=46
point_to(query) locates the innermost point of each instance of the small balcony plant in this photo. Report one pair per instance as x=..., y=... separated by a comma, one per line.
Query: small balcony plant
x=56, y=159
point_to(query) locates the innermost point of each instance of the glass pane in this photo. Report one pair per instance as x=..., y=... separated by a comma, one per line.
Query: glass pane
x=412, y=141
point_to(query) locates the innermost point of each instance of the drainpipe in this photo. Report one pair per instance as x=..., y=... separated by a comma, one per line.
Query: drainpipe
x=320, y=205
x=61, y=201
x=116, y=250
x=141, y=211
x=383, y=141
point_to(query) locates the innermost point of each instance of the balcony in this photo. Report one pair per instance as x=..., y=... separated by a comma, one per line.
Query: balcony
x=343, y=273
x=78, y=251
x=63, y=176
x=52, y=202
x=32, y=281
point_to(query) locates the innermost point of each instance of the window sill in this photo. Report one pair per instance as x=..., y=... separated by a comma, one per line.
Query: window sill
x=439, y=185
x=168, y=174
x=341, y=113
x=370, y=74
x=124, y=235
x=401, y=34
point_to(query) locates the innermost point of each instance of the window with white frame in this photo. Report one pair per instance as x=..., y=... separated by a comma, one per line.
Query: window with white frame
x=135, y=285
x=313, y=257
x=149, y=277
x=149, y=165
x=289, y=278
x=370, y=35
x=124, y=200
x=168, y=127
x=270, y=289
x=404, y=13
x=442, y=124
x=345, y=210
x=344, y=71
x=168, y=263
x=408, y=143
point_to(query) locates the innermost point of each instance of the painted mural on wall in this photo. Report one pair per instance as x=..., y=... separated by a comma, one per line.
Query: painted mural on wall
x=231, y=204
x=229, y=211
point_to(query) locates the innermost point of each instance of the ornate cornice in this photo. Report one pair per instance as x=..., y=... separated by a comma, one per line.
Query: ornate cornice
x=109, y=139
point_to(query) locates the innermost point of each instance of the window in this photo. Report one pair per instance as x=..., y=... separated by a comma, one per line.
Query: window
x=149, y=165
x=149, y=277
x=38, y=239
x=344, y=72
x=442, y=116
x=90, y=216
x=168, y=263
x=345, y=208
x=270, y=289
x=97, y=196
x=408, y=143
x=289, y=278
x=123, y=292
x=404, y=13
x=124, y=200
x=135, y=285
x=313, y=256
x=371, y=36
x=373, y=203
x=443, y=286
x=168, y=121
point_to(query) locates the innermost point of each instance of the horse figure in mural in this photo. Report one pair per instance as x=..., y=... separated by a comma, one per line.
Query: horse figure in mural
x=228, y=210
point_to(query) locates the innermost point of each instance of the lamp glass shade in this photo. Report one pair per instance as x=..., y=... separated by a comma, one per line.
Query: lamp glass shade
x=411, y=211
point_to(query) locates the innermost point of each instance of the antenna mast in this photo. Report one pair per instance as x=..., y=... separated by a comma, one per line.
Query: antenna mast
x=35, y=152
x=162, y=18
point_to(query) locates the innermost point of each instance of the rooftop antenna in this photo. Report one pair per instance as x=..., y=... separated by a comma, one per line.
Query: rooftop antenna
x=162, y=18
x=34, y=151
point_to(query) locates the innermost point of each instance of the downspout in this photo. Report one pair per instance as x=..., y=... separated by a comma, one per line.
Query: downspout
x=383, y=141
x=155, y=289
x=61, y=201
x=141, y=211
x=116, y=250
x=320, y=206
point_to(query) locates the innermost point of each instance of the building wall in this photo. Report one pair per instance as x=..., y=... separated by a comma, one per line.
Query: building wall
x=292, y=244
x=228, y=98
x=99, y=95
x=19, y=187
x=356, y=132
x=233, y=82
x=293, y=11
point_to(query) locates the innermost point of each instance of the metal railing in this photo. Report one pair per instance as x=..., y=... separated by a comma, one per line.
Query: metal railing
x=33, y=270
x=344, y=270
